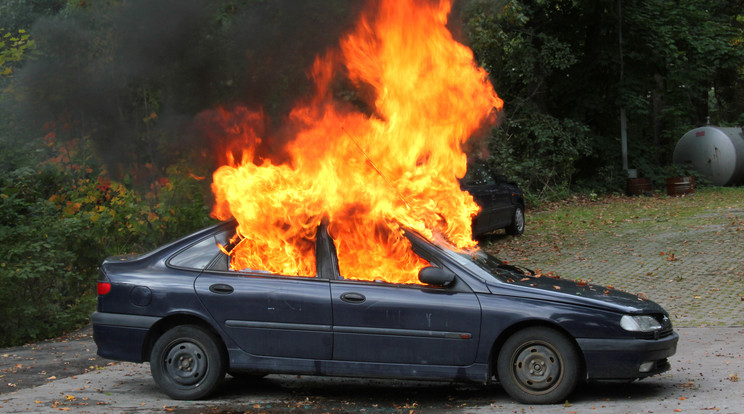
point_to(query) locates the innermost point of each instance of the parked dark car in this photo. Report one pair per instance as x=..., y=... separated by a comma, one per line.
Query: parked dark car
x=501, y=201
x=474, y=318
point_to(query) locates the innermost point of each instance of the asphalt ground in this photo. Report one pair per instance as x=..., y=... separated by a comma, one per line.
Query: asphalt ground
x=693, y=266
x=705, y=378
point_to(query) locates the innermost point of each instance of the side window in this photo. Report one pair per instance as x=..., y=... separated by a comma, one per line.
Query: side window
x=237, y=263
x=379, y=265
x=478, y=174
x=197, y=256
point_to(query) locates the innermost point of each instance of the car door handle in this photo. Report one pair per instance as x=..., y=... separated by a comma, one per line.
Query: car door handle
x=353, y=297
x=221, y=288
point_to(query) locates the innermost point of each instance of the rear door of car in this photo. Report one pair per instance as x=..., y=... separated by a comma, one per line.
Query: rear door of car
x=483, y=194
x=270, y=315
x=502, y=204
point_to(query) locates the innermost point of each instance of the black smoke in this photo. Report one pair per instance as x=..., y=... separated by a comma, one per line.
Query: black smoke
x=130, y=76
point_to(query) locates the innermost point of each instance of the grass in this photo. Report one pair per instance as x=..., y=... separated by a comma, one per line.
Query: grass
x=581, y=214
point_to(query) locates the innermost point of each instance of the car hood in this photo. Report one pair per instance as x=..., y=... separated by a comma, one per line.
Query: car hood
x=575, y=292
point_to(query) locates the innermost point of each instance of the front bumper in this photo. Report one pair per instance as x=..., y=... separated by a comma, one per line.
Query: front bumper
x=121, y=337
x=621, y=359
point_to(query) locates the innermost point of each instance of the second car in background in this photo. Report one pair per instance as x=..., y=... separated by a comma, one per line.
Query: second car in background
x=501, y=201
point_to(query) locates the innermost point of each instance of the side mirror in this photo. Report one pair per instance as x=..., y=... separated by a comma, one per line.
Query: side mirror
x=436, y=276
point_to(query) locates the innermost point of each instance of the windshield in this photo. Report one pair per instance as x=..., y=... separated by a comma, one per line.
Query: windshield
x=481, y=263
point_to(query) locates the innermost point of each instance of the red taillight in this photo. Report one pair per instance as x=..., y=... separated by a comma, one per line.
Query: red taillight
x=104, y=288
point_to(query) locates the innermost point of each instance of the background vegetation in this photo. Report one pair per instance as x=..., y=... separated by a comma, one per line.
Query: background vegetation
x=101, y=153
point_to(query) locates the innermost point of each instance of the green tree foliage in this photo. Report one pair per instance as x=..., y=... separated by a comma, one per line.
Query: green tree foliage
x=677, y=52
x=13, y=49
x=564, y=75
x=59, y=219
x=21, y=14
x=538, y=146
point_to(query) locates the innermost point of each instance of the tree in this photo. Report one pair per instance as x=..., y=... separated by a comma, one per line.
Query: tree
x=13, y=49
x=557, y=65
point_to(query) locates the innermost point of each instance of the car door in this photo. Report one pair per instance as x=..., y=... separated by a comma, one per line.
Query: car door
x=269, y=315
x=401, y=323
x=502, y=204
x=381, y=322
x=484, y=197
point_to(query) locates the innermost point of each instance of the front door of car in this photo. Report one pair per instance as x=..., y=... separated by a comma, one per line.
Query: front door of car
x=283, y=316
x=410, y=324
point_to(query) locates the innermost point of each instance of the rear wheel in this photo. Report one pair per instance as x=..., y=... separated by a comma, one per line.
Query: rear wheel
x=538, y=366
x=187, y=362
x=516, y=227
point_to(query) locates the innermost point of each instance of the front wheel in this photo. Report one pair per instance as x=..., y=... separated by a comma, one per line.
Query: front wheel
x=516, y=227
x=538, y=366
x=187, y=362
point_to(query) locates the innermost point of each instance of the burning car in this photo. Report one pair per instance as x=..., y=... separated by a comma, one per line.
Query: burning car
x=346, y=245
x=469, y=317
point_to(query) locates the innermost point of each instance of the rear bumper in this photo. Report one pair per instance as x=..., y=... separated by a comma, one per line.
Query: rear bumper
x=121, y=337
x=621, y=359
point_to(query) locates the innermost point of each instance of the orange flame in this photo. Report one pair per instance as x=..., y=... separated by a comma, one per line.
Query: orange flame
x=368, y=174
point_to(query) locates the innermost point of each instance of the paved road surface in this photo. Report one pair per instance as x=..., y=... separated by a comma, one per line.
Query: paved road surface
x=707, y=376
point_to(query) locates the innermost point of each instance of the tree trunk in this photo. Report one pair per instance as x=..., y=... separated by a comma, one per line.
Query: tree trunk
x=658, y=102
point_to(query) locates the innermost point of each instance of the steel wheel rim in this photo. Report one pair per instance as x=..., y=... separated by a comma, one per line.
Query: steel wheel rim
x=537, y=368
x=186, y=363
x=519, y=219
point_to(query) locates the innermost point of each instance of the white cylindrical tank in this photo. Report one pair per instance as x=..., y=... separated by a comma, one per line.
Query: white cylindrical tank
x=715, y=152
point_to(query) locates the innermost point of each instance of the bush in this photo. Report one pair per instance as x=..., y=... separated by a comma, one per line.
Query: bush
x=56, y=226
x=540, y=153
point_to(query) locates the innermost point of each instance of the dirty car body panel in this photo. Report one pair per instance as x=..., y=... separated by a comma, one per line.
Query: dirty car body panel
x=325, y=324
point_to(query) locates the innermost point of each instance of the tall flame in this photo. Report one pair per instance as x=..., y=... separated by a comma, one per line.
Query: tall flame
x=367, y=174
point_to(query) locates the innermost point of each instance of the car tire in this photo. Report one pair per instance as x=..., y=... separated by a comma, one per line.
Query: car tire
x=538, y=366
x=516, y=227
x=187, y=362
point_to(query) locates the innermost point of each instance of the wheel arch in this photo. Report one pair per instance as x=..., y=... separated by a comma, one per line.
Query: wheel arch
x=532, y=323
x=173, y=320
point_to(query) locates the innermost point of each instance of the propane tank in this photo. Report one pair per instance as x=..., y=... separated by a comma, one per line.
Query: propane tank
x=715, y=152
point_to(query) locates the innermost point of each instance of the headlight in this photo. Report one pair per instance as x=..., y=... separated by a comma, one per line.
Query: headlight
x=639, y=323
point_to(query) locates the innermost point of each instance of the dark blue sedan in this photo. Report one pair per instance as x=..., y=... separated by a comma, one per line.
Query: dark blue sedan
x=473, y=318
x=501, y=202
